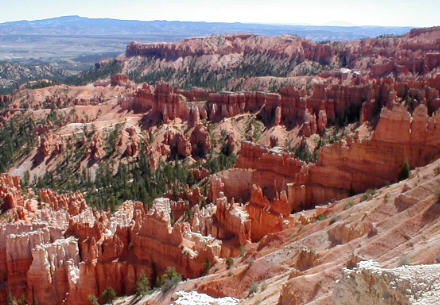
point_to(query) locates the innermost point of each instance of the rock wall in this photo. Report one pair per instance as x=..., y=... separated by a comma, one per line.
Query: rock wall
x=16, y=243
x=53, y=271
x=282, y=183
x=290, y=47
x=414, y=53
x=273, y=167
x=356, y=98
x=10, y=192
x=354, y=165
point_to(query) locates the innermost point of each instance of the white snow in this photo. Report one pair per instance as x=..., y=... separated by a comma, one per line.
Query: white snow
x=195, y=298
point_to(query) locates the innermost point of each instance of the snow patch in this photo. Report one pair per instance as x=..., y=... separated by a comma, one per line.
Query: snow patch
x=195, y=298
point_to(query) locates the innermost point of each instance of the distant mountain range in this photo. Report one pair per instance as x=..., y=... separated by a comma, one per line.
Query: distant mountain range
x=173, y=30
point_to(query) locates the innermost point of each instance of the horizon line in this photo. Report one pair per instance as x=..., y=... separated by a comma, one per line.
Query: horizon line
x=348, y=25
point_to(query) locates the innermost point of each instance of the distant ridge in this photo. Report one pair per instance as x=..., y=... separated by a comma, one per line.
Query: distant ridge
x=174, y=30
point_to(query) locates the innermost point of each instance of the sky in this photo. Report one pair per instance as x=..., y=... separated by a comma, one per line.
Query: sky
x=417, y=13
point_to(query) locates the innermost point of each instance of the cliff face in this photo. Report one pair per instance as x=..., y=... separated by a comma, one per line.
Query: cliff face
x=329, y=102
x=351, y=165
x=192, y=61
x=274, y=183
x=415, y=53
x=165, y=102
x=16, y=242
x=387, y=55
x=243, y=44
x=10, y=192
x=354, y=165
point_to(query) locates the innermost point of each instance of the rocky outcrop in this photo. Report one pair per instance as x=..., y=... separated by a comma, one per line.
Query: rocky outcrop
x=10, y=192
x=230, y=56
x=414, y=53
x=184, y=147
x=95, y=150
x=51, y=145
x=200, y=141
x=176, y=246
x=195, y=94
x=129, y=142
x=257, y=218
x=141, y=101
x=5, y=99
x=17, y=242
x=120, y=80
x=167, y=104
x=368, y=283
x=273, y=167
x=229, y=44
x=88, y=251
x=53, y=272
x=73, y=203
x=267, y=216
x=302, y=263
x=398, y=137
x=282, y=184
x=233, y=219
x=337, y=94
x=354, y=98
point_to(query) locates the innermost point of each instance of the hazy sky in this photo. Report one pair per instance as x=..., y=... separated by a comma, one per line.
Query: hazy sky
x=359, y=12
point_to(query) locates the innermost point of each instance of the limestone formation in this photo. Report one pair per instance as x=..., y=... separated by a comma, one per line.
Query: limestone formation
x=368, y=283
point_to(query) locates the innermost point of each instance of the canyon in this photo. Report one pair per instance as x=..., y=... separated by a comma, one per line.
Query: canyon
x=302, y=194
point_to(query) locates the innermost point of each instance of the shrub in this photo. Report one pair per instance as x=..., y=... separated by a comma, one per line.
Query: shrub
x=437, y=170
x=437, y=194
x=208, y=265
x=364, y=197
x=253, y=287
x=142, y=285
x=170, y=279
x=108, y=295
x=320, y=217
x=14, y=301
x=371, y=192
x=93, y=299
x=229, y=262
x=404, y=173
x=404, y=260
x=242, y=250
x=368, y=194
x=348, y=205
